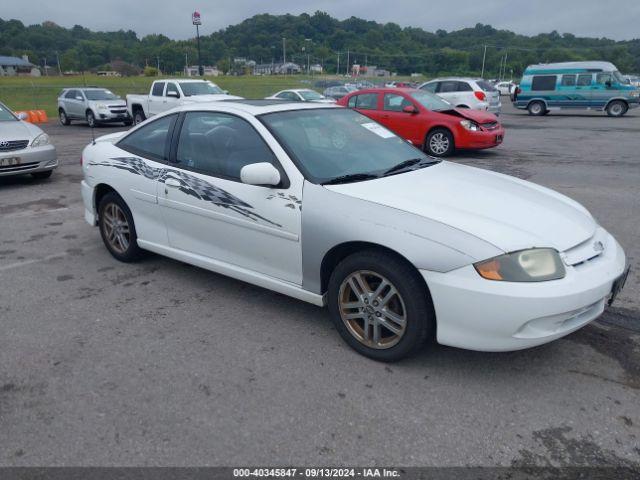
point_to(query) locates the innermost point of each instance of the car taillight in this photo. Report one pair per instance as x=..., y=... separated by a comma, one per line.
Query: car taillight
x=480, y=96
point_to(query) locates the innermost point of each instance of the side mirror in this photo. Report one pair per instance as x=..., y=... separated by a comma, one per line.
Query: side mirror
x=410, y=109
x=173, y=94
x=260, y=174
x=23, y=116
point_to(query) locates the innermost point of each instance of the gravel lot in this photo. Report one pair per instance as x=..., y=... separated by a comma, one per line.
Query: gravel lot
x=161, y=363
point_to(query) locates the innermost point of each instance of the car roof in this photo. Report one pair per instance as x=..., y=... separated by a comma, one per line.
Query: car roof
x=257, y=107
x=461, y=79
x=605, y=66
x=407, y=90
x=183, y=80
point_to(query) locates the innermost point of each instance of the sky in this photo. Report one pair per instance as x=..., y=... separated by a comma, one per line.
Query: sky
x=616, y=19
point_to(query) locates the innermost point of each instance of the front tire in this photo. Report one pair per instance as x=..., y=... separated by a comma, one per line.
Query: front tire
x=91, y=119
x=117, y=228
x=439, y=143
x=380, y=305
x=617, y=108
x=537, y=109
x=138, y=116
x=62, y=116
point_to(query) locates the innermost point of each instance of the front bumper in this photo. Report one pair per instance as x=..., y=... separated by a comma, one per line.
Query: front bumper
x=495, y=109
x=478, y=140
x=103, y=116
x=485, y=315
x=32, y=160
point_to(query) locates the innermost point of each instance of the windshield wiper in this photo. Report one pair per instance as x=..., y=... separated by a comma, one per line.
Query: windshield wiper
x=402, y=166
x=352, y=177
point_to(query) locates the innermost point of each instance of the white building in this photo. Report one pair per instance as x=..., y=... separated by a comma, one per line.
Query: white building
x=208, y=71
x=13, y=66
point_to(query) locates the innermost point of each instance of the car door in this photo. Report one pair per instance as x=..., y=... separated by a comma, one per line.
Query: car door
x=584, y=86
x=406, y=125
x=604, y=88
x=74, y=104
x=137, y=162
x=156, y=98
x=449, y=91
x=367, y=104
x=210, y=213
x=171, y=97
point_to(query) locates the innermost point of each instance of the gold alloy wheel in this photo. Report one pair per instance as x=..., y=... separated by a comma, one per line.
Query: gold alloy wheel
x=372, y=309
x=116, y=228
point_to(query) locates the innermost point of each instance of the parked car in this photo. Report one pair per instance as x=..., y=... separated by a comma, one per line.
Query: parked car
x=575, y=85
x=426, y=120
x=397, y=85
x=471, y=93
x=24, y=147
x=339, y=91
x=167, y=94
x=505, y=88
x=325, y=205
x=93, y=105
x=300, y=95
x=327, y=83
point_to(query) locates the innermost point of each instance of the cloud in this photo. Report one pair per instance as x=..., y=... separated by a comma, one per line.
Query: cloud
x=172, y=18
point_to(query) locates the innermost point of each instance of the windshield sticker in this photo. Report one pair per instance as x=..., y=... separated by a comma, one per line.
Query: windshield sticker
x=378, y=130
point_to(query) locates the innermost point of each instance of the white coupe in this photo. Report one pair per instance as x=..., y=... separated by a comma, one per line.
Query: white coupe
x=321, y=203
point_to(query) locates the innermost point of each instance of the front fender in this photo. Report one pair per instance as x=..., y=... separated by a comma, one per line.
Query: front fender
x=330, y=218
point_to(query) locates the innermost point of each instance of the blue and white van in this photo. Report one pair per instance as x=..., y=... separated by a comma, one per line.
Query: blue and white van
x=575, y=85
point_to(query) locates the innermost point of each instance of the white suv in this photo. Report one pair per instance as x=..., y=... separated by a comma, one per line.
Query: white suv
x=472, y=93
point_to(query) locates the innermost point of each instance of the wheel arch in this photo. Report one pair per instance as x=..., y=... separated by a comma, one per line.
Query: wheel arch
x=341, y=251
x=99, y=192
x=617, y=99
x=530, y=101
x=439, y=127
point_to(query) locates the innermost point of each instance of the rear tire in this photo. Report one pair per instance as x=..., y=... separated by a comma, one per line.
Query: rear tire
x=117, y=228
x=537, y=109
x=371, y=289
x=617, y=108
x=439, y=143
x=42, y=175
x=64, y=120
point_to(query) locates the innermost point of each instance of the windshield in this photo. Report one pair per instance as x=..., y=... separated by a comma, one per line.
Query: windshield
x=6, y=115
x=619, y=78
x=310, y=95
x=431, y=101
x=100, y=95
x=200, y=88
x=334, y=142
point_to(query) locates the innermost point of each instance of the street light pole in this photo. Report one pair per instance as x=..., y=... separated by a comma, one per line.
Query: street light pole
x=484, y=56
x=197, y=21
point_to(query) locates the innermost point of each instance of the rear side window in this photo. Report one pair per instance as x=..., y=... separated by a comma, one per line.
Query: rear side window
x=584, y=80
x=543, y=82
x=158, y=89
x=568, y=80
x=151, y=141
x=366, y=101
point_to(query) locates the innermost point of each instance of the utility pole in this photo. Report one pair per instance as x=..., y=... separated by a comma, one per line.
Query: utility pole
x=347, y=72
x=484, y=56
x=504, y=71
x=284, y=51
x=196, y=19
x=338, y=67
x=158, y=59
x=58, y=61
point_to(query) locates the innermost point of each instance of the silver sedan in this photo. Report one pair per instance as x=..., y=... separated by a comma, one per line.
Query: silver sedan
x=24, y=147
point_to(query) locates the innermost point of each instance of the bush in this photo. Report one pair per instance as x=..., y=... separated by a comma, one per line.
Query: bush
x=150, y=72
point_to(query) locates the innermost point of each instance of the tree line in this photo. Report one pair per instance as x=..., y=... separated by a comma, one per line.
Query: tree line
x=318, y=39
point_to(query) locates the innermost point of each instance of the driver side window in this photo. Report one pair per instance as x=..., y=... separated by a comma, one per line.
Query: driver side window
x=219, y=144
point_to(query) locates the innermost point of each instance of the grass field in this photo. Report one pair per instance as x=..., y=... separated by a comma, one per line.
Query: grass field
x=28, y=93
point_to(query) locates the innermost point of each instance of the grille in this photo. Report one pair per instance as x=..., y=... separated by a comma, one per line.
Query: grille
x=11, y=145
x=489, y=125
x=118, y=110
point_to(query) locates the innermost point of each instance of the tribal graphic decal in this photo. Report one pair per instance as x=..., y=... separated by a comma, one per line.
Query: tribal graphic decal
x=189, y=184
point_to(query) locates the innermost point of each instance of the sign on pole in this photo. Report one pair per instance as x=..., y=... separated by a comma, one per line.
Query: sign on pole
x=195, y=18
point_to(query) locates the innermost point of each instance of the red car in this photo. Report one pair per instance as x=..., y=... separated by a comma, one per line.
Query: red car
x=426, y=120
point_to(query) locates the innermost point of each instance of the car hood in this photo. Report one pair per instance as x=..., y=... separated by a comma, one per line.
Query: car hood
x=18, y=131
x=210, y=98
x=509, y=213
x=477, y=116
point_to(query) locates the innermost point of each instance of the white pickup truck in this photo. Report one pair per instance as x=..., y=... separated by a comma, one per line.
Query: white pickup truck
x=166, y=94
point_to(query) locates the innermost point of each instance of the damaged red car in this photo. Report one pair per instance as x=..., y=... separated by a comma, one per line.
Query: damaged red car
x=426, y=120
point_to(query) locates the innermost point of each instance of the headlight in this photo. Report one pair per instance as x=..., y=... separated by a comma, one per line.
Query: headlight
x=535, y=265
x=469, y=125
x=41, y=140
x=101, y=106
